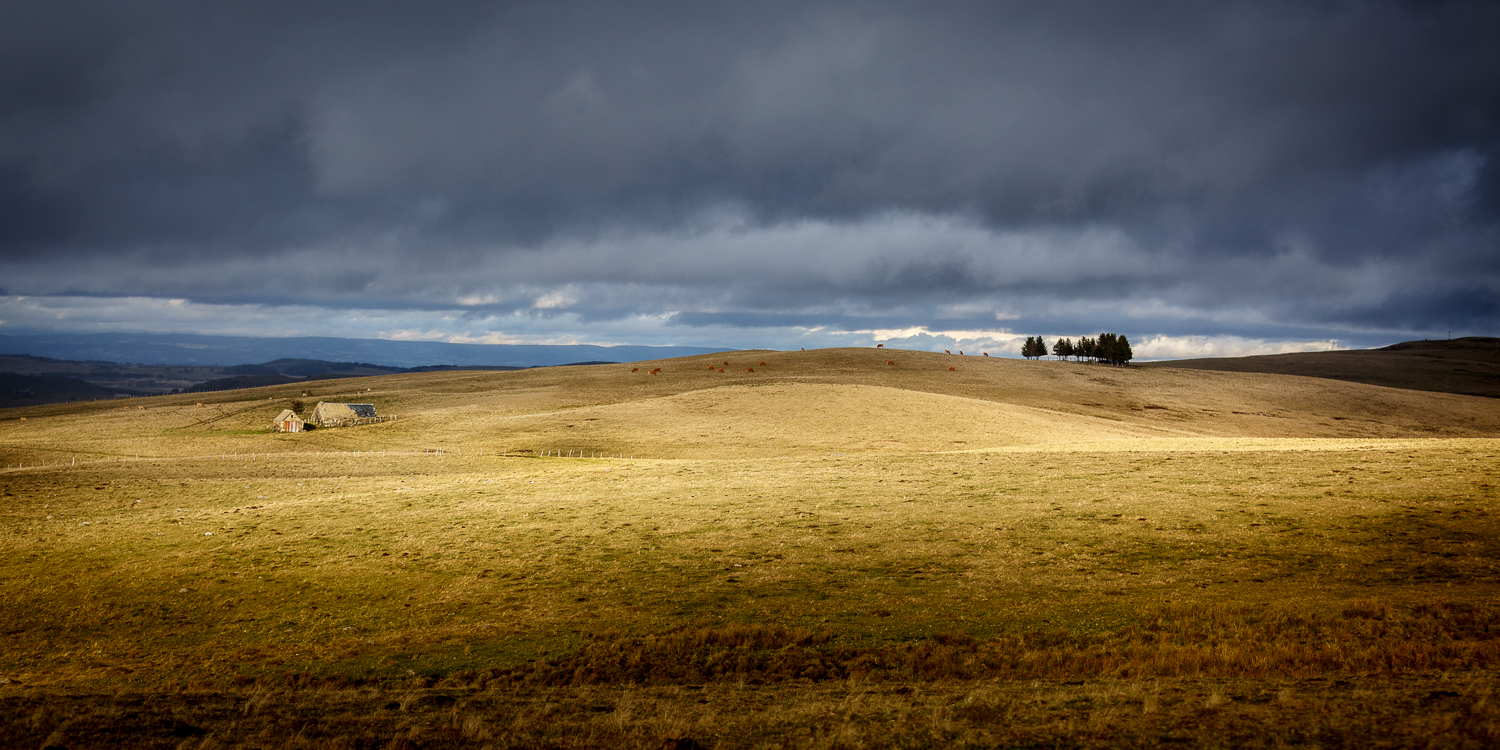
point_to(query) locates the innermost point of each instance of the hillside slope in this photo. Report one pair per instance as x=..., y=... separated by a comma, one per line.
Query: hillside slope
x=26, y=390
x=1468, y=366
x=830, y=528
x=796, y=403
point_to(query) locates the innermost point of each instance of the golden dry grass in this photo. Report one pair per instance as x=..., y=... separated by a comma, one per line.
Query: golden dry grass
x=800, y=402
x=825, y=518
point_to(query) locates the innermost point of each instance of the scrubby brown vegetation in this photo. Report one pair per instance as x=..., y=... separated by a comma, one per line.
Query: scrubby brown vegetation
x=1417, y=710
x=830, y=551
x=1468, y=365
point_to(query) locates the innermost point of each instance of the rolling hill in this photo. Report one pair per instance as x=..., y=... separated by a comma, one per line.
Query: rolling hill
x=792, y=403
x=28, y=390
x=892, y=548
x=1469, y=366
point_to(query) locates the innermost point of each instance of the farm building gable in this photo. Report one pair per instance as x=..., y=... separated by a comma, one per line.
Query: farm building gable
x=288, y=421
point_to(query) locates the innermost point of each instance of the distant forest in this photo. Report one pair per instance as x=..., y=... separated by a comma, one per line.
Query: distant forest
x=1109, y=348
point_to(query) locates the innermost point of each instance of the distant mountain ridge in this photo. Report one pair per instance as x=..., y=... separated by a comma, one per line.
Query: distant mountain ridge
x=29, y=380
x=283, y=371
x=202, y=350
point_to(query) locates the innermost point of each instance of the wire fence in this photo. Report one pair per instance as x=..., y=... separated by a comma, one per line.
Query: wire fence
x=228, y=456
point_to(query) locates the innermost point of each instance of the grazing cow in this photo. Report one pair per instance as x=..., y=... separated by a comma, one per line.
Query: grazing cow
x=986, y=354
x=960, y=351
x=749, y=369
x=880, y=346
x=953, y=369
x=726, y=362
x=945, y=351
x=721, y=369
x=763, y=364
x=635, y=369
x=890, y=361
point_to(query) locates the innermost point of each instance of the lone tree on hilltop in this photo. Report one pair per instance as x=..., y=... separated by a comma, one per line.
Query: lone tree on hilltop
x=1123, y=354
x=1085, y=348
x=1113, y=349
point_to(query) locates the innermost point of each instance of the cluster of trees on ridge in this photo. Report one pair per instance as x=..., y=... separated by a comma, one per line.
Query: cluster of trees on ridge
x=1109, y=348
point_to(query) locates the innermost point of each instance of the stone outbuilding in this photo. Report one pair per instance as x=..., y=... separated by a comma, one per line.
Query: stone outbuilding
x=343, y=415
x=288, y=421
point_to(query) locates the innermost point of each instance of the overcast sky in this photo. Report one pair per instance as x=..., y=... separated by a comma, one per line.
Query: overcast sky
x=1207, y=178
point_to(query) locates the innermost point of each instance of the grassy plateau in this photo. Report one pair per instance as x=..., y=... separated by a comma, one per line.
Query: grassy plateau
x=834, y=548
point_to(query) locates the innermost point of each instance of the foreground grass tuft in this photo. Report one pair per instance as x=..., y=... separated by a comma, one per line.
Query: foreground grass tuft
x=1198, y=641
x=1417, y=711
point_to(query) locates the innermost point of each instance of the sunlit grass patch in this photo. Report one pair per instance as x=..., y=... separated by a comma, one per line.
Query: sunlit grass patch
x=437, y=549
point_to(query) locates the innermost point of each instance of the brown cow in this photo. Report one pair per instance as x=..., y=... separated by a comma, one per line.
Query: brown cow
x=890, y=361
x=953, y=369
x=635, y=369
x=880, y=346
x=749, y=369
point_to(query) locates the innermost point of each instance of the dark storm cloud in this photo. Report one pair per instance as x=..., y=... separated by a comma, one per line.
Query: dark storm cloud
x=821, y=163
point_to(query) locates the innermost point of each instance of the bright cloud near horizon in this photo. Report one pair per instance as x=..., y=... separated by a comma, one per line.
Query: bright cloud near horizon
x=1210, y=179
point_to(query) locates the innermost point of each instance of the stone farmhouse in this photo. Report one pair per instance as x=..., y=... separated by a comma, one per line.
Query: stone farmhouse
x=343, y=415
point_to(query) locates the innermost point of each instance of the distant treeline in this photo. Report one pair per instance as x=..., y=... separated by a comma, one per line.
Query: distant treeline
x=1109, y=348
